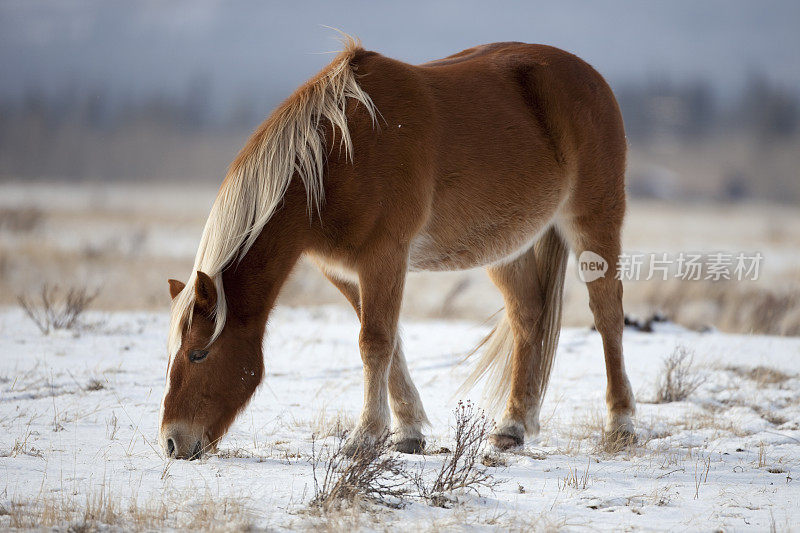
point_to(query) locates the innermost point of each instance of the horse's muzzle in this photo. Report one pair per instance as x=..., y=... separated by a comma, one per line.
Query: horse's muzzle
x=181, y=443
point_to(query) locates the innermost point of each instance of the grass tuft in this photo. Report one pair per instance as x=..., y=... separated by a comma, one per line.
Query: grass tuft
x=678, y=379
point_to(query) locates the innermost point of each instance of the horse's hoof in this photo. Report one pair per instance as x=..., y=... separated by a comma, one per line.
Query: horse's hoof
x=410, y=445
x=621, y=438
x=505, y=442
x=355, y=445
x=620, y=432
x=617, y=437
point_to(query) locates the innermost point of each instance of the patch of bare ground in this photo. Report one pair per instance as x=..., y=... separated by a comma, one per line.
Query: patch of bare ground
x=20, y=220
x=761, y=375
x=773, y=418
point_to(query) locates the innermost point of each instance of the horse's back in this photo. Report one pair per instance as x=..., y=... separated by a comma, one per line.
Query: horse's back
x=495, y=135
x=519, y=104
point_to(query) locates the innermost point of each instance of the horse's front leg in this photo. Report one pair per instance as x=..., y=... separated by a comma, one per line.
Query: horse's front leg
x=381, y=282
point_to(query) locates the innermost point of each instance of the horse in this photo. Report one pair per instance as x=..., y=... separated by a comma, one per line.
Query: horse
x=505, y=156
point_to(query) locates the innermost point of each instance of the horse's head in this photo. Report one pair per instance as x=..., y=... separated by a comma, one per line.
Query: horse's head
x=207, y=383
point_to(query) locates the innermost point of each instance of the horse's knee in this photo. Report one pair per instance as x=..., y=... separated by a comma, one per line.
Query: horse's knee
x=377, y=346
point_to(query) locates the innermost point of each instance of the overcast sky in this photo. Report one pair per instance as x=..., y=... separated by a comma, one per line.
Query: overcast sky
x=267, y=48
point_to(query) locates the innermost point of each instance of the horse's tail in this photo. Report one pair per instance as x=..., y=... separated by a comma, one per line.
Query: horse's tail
x=495, y=361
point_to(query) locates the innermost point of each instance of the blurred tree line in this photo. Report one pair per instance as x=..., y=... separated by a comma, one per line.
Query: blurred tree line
x=681, y=135
x=691, y=111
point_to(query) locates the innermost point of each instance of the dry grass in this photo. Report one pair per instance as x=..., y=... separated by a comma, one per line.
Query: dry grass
x=325, y=425
x=373, y=474
x=584, y=428
x=101, y=510
x=711, y=419
x=614, y=443
x=56, y=309
x=95, y=384
x=23, y=445
x=112, y=426
x=701, y=469
x=678, y=379
x=575, y=478
x=493, y=460
x=586, y=434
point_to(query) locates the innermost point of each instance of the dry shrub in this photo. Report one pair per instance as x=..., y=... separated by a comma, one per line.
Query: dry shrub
x=377, y=474
x=460, y=469
x=678, y=379
x=373, y=474
x=56, y=309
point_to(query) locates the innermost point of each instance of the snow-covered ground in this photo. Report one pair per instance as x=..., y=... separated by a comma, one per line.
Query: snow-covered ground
x=78, y=416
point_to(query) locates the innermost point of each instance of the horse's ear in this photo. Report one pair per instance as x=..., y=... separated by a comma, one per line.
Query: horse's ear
x=205, y=293
x=175, y=287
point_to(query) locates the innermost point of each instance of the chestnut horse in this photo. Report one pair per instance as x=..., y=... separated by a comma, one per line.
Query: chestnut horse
x=506, y=156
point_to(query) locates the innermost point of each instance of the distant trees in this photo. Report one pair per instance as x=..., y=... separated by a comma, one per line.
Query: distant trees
x=101, y=134
x=692, y=110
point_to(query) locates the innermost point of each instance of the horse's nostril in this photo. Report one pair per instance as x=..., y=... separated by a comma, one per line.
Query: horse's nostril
x=196, y=451
x=170, y=447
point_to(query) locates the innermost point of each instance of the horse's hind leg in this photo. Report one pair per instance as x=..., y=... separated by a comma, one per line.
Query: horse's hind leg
x=599, y=232
x=519, y=283
x=404, y=400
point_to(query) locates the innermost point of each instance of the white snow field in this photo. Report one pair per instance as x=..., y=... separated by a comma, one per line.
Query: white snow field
x=78, y=425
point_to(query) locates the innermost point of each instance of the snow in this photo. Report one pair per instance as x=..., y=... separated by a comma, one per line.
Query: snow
x=726, y=457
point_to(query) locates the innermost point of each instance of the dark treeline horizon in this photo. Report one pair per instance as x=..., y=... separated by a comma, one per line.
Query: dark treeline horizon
x=95, y=135
x=696, y=108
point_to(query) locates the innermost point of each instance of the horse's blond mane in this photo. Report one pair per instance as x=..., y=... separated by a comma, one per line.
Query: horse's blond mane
x=289, y=142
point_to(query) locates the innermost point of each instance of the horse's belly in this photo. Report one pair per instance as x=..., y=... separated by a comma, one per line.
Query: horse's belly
x=471, y=249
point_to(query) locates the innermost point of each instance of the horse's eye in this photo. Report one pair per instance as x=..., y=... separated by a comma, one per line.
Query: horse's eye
x=195, y=356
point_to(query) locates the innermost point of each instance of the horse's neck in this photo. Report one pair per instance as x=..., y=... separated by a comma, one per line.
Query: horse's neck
x=252, y=284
